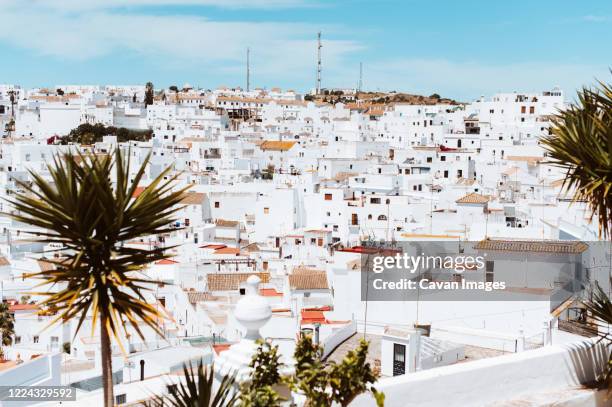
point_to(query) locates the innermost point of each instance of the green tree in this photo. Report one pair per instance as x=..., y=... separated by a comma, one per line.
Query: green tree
x=339, y=383
x=93, y=133
x=353, y=376
x=88, y=208
x=581, y=144
x=7, y=327
x=259, y=390
x=198, y=390
x=12, y=94
x=148, y=94
x=310, y=376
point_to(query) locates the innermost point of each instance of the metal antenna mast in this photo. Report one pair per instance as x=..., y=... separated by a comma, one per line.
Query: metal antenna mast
x=319, y=46
x=360, y=76
x=248, y=71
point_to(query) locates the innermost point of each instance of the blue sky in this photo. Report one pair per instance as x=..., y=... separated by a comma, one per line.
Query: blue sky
x=461, y=49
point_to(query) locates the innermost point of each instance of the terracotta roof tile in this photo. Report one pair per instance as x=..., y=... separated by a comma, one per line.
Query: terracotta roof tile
x=225, y=223
x=138, y=191
x=277, y=145
x=193, y=198
x=199, y=296
x=473, y=198
x=228, y=250
x=535, y=246
x=309, y=280
x=231, y=281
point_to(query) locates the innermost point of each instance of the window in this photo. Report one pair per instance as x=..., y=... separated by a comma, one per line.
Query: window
x=120, y=399
x=328, y=197
x=489, y=267
x=374, y=200
x=35, y=339
x=217, y=204
x=399, y=359
x=17, y=340
x=266, y=211
x=382, y=217
x=531, y=109
x=443, y=158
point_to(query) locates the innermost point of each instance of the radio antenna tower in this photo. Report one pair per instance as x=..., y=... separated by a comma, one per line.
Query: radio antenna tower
x=360, y=77
x=319, y=46
x=248, y=71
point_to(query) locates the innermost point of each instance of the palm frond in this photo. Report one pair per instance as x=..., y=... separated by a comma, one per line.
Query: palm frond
x=581, y=143
x=600, y=309
x=198, y=390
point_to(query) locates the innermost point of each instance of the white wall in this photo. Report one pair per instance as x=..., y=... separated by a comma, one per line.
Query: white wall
x=490, y=381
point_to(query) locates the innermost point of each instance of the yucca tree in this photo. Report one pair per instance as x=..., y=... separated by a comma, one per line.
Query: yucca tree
x=581, y=143
x=91, y=215
x=198, y=390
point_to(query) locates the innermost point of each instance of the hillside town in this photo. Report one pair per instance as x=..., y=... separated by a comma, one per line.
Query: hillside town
x=287, y=194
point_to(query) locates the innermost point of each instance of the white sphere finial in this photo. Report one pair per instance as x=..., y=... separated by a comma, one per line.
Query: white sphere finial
x=253, y=310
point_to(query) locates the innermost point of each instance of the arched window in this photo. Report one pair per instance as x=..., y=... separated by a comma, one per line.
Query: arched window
x=382, y=217
x=370, y=217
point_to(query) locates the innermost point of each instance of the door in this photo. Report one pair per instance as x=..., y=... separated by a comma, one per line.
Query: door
x=399, y=359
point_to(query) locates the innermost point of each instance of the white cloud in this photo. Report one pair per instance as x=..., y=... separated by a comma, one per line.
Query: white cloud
x=595, y=19
x=80, y=5
x=470, y=79
x=280, y=50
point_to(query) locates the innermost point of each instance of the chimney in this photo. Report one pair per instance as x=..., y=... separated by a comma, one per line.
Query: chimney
x=414, y=351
